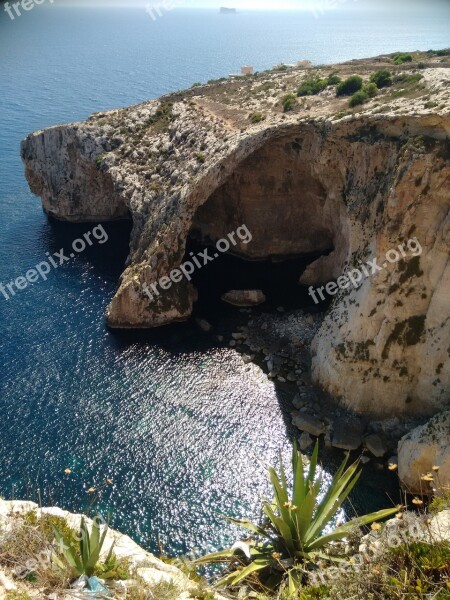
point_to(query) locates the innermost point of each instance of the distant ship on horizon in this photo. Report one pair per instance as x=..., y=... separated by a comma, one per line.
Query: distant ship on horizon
x=227, y=11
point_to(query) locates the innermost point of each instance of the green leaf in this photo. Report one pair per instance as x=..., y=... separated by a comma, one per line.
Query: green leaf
x=312, y=466
x=294, y=581
x=84, y=543
x=256, y=565
x=344, y=530
x=299, y=489
x=247, y=524
x=68, y=552
x=281, y=526
x=215, y=557
x=338, y=491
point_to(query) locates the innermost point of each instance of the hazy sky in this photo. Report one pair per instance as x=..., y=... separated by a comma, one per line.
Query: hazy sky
x=239, y=4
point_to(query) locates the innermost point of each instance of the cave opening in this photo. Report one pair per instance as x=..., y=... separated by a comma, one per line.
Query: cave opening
x=284, y=201
x=277, y=279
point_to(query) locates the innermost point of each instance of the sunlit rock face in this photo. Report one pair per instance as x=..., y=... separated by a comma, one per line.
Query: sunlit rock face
x=424, y=457
x=312, y=181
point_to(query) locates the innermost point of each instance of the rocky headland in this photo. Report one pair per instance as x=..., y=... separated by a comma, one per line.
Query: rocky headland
x=311, y=177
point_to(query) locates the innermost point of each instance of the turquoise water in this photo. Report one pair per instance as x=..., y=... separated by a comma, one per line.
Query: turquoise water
x=179, y=424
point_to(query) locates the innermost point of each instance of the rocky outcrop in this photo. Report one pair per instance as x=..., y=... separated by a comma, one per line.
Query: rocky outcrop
x=424, y=457
x=352, y=185
x=149, y=570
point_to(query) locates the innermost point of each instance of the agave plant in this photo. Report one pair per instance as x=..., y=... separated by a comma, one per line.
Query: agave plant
x=82, y=560
x=297, y=526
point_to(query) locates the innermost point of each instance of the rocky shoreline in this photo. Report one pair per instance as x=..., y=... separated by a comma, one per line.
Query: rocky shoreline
x=280, y=343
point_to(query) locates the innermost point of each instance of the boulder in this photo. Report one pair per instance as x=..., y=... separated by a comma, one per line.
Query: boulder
x=309, y=423
x=244, y=298
x=376, y=445
x=422, y=449
x=347, y=435
x=304, y=441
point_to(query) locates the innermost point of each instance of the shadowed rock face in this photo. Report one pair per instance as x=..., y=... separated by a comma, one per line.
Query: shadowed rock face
x=307, y=182
x=278, y=195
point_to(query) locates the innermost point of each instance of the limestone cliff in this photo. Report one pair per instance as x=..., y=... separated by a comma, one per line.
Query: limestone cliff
x=321, y=178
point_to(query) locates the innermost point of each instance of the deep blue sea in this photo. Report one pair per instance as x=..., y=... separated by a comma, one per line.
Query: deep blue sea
x=179, y=424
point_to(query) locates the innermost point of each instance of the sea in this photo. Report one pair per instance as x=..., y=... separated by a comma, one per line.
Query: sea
x=176, y=421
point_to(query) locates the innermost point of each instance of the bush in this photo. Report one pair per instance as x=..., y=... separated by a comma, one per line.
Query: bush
x=333, y=79
x=213, y=81
x=371, y=90
x=407, y=79
x=256, y=117
x=444, y=52
x=200, y=156
x=81, y=558
x=381, y=79
x=399, y=59
x=349, y=86
x=298, y=526
x=288, y=101
x=312, y=87
x=358, y=98
x=440, y=503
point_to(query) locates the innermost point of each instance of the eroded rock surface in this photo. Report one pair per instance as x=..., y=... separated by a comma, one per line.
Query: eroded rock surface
x=426, y=447
x=353, y=184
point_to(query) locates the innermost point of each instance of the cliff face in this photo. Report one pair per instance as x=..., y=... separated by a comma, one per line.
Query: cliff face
x=354, y=184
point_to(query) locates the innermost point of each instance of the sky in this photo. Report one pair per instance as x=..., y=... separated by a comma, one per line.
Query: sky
x=239, y=4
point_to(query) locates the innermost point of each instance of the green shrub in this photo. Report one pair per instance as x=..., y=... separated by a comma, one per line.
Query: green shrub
x=279, y=69
x=444, y=52
x=371, y=90
x=114, y=568
x=298, y=525
x=288, y=101
x=358, y=98
x=440, y=503
x=200, y=156
x=381, y=78
x=407, y=79
x=162, y=117
x=82, y=559
x=220, y=80
x=399, y=59
x=196, y=84
x=256, y=117
x=349, y=86
x=333, y=79
x=311, y=87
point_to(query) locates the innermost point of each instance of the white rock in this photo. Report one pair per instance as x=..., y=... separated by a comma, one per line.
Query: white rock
x=422, y=449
